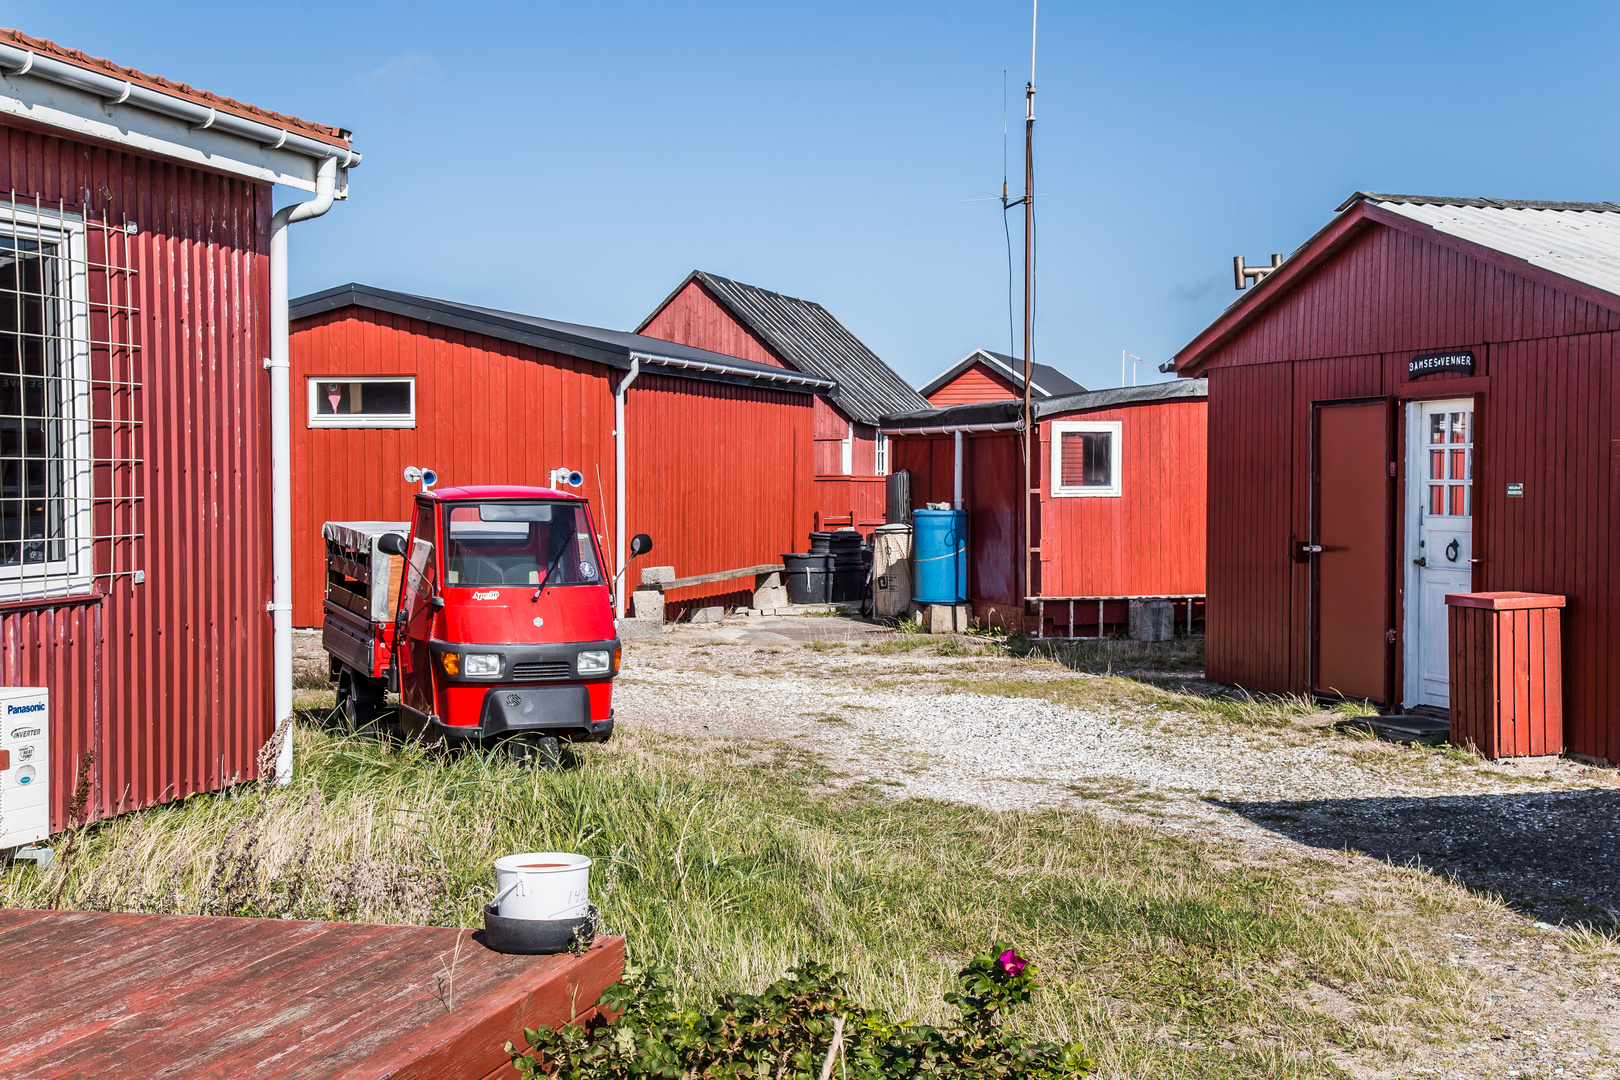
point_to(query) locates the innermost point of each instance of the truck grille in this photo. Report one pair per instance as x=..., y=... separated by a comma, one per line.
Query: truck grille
x=542, y=669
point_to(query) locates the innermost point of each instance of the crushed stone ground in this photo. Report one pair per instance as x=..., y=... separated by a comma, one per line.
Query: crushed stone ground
x=1543, y=834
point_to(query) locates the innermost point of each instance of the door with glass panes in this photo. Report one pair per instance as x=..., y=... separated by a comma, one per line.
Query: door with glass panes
x=1439, y=539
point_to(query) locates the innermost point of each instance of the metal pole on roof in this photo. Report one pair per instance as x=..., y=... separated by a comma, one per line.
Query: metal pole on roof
x=1029, y=306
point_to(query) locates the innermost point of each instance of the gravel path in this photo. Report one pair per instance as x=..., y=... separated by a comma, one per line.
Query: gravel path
x=1543, y=834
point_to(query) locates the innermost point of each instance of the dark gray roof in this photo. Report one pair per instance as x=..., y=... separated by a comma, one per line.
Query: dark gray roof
x=1479, y=203
x=805, y=335
x=1049, y=381
x=1004, y=412
x=614, y=348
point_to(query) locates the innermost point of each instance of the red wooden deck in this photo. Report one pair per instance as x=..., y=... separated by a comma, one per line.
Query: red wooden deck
x=94, y=994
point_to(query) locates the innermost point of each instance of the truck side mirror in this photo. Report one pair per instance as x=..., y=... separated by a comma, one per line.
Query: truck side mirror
x=640, y=544
x=391, y=544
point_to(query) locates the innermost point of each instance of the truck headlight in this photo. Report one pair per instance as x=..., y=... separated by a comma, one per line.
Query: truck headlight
x=595, y=662
x=481, y=665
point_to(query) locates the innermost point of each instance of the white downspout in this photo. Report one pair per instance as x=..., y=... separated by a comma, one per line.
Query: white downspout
x=619, y=541
x=958, y=469
x=281, y=456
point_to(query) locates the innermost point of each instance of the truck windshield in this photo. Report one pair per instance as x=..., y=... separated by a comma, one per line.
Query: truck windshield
x=513, y=543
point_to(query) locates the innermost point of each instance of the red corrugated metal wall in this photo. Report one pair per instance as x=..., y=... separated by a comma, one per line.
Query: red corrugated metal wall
x=1150, y=540
x=1544, y=398
x=168, y=681
x=487, y=412
x=977, y=383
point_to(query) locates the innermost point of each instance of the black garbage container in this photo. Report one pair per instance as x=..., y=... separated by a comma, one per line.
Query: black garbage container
x=820, y=543
x=806, y=577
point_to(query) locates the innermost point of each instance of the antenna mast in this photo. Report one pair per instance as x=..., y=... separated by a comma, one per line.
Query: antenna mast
x=1029, y=305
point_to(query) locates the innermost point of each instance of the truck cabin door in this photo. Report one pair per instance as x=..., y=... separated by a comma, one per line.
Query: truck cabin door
x=416, y=611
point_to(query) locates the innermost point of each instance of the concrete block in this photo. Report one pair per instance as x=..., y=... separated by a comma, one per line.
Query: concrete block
x=657, y=575
x=1152, y=620
x=772, y=580
x=648, y=604
x=943, y=618
x=771, y=596
x=708, y=614
x=630, y=629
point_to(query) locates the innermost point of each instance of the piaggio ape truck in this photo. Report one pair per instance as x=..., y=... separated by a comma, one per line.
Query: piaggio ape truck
x=490, y=614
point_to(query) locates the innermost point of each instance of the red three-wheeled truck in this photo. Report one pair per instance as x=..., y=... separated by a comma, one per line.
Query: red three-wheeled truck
x=490, y=613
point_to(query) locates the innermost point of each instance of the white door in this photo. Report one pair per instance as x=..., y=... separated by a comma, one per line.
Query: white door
x=1439, y=538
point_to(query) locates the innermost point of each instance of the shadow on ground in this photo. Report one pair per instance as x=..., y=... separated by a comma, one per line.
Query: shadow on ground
x=1550, y=855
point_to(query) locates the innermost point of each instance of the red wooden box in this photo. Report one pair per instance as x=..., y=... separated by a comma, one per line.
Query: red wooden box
x=1507, y=687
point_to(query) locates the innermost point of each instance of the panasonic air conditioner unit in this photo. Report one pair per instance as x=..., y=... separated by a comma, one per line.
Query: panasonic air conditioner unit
x=25, y=766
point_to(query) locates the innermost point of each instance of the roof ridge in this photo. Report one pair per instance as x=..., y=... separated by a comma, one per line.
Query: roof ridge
x=1480, y=202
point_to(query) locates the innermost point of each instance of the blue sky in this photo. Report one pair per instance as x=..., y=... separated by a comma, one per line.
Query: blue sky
x=577, y=160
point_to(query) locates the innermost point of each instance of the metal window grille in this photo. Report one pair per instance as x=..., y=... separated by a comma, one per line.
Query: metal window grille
x=70, y=402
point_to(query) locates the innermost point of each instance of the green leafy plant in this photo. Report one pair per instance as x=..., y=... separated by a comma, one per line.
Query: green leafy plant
x=797, y=1029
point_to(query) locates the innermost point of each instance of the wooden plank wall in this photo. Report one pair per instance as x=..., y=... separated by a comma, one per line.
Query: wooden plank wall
x=1150, y=540
x=487, y=412
x=693, y=317
x=977, y=383
x=1544, y=419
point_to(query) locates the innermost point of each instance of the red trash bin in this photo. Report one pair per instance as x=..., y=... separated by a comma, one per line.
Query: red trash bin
x=1507, y=687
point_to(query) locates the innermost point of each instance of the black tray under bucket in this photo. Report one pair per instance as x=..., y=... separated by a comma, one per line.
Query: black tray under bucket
x=538, y=937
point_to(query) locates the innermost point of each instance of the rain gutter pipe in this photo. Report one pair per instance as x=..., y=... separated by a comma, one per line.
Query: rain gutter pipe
x=621, y=548
x=281, y=455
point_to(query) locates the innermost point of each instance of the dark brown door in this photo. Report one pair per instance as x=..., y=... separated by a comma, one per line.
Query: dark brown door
x=1352, y=581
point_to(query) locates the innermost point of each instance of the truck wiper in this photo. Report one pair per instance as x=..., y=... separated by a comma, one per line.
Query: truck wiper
x=536, y=597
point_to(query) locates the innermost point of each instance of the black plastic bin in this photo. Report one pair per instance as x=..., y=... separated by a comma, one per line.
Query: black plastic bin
x=820, y=543
x=848, y=579
x=807, y=577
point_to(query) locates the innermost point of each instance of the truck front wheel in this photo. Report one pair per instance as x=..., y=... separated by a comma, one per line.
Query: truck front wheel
x=361, y=702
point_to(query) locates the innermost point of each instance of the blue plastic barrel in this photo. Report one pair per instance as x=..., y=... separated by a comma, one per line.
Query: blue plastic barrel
x=939, y=556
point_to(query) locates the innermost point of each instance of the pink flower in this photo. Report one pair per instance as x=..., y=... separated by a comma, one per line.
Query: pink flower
x=1012, y=963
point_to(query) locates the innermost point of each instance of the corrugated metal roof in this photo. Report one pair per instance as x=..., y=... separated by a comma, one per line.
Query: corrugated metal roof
x=613, y=348
x=1001, y=412
x=1580, y=241
x=805, y=334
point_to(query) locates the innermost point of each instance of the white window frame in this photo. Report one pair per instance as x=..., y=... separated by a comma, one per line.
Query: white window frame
x=882, y=454
x=74, y=573
x=847, y=451
x=385, y=420
x=1114, y=489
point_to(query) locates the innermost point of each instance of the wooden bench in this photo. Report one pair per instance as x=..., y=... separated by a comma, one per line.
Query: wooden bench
x=93, y=994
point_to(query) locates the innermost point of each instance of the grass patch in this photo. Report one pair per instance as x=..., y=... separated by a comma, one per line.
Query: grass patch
x=1168, y=957
x=824, y=646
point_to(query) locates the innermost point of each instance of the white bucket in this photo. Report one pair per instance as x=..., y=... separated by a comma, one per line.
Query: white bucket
x=542, y=885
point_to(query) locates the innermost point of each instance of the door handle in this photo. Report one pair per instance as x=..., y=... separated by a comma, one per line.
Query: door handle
x=1311, y=549
x=1421, y=560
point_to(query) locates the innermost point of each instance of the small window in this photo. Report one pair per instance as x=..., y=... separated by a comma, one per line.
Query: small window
x=1085, y=458
x=349, y=402
x=883, y=455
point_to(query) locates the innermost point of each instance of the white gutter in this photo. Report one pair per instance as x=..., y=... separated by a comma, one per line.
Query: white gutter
x=750, y=373
x=281, y=455
x=619, y=543
x=115, y=93
x=952, y=429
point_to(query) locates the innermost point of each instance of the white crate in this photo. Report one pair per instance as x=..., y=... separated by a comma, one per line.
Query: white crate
x=25, y=788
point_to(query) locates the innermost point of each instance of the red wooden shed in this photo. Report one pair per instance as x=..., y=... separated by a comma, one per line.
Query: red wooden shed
x=1420, y=401
x=389, y=379
x=135, y=531
x=850, y=454
x=983, y=375
x=1120, y=514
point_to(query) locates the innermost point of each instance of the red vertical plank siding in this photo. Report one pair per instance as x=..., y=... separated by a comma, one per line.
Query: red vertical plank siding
x=713, y=480
x=1544, y=398
x=712, y=476
x=693, y=317
x=1149, y=541
x=168, y=680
